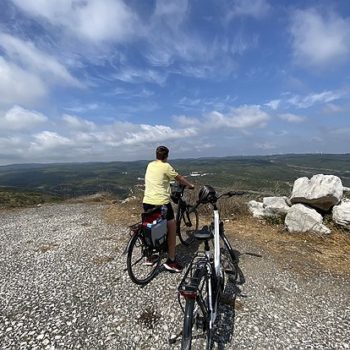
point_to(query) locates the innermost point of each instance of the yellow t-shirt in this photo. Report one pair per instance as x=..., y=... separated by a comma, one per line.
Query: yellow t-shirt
x=157, y=182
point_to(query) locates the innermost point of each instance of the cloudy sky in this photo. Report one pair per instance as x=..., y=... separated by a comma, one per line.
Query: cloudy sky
x=101, y=80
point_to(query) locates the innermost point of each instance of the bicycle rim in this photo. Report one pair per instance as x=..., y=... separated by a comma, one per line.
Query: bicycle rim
x=139, y=272
x=188, y=225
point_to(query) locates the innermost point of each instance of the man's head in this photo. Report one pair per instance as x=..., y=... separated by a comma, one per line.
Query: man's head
x=162, y=153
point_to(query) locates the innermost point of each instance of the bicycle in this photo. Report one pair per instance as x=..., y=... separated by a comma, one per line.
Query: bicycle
x=144, y=254
x=204, y=280
x=186, y=215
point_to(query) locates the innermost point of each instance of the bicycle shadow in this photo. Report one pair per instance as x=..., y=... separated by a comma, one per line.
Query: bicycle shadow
x=185, y=253
x=225, y=322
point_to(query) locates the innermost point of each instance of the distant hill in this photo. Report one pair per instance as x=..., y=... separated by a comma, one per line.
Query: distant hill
x=268, y=174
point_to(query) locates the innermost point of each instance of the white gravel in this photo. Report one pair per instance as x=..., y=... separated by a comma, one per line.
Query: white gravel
x=64, y=286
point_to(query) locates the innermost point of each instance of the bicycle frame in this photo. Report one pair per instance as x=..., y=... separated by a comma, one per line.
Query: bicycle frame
x=214, y=290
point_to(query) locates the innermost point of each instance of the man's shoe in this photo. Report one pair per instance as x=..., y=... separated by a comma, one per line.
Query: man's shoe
x=173, y=266
x=150, y=261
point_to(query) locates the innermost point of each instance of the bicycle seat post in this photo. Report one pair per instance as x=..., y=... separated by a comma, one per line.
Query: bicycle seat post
x=206, y=246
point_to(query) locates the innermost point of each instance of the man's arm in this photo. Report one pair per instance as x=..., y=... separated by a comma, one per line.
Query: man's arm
x=183, y=181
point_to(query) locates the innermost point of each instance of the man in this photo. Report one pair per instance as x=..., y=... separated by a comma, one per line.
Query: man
x=159, y=173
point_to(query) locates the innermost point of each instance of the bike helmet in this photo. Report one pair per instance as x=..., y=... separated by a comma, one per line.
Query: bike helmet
x=207, y=194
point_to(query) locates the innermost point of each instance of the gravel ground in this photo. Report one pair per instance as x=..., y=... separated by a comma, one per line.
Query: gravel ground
x=64, y=286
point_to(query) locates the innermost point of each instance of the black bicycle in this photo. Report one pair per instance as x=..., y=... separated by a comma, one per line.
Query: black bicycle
x=204, y=280
x=148, y=242
x=147, y=245
x=186, y=215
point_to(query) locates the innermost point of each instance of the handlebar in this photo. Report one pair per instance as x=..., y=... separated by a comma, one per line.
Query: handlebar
x=226, y=194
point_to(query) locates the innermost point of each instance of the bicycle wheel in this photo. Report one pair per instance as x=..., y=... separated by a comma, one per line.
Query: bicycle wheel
x=229, y=261
x=142, y=261
x=196, y=333
x=187, y=225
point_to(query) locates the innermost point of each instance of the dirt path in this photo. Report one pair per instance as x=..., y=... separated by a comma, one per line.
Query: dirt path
x=64, y=286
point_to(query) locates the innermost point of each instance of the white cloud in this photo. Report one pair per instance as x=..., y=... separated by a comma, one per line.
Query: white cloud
x=77, y=123
x=159, y=133
x=316, y=98
x=320, y=40
x=35, y=61
x=183, y=120
x=292, y=118
x=273, y=104
x=133, y=75
x=19, y=86
x=242, y=117
x=18, y=118
x=49, y=140
x=332, y=108
x=251, y=8
x=91, y=20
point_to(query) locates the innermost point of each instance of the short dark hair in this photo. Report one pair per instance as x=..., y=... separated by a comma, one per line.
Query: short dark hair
x=162, y=152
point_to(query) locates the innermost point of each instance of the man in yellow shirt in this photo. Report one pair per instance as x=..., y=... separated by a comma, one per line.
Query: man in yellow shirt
x=159, y=173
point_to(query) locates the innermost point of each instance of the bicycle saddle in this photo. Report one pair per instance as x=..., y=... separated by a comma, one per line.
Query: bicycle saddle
x=203, y=234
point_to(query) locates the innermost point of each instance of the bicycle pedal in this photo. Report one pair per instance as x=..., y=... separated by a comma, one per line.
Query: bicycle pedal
x=230, y=272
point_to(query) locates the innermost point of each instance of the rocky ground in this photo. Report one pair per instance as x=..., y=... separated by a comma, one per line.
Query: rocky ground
x=64, y=286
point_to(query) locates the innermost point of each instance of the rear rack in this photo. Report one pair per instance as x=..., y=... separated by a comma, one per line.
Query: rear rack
x=189, y=285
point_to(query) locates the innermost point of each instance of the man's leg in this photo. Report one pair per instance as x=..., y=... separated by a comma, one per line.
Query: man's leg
x=171, y=239
x=171, y=264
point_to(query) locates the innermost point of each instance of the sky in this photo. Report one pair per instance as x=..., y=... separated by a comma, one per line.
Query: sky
x=110, y=80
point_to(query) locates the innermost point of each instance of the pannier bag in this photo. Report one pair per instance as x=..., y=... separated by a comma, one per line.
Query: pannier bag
x=157, y=232
x=155, y=228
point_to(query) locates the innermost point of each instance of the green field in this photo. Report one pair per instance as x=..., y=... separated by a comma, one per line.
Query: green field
x=262, y=174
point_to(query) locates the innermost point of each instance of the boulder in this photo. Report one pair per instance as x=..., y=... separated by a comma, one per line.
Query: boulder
x=257, y=209
x=341, y=213
x=321, y=191
x=276, y=205
x=301, y=218
x=271, y=206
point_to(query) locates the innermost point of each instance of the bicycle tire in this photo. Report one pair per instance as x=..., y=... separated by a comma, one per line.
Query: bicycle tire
x=187, y=225
x=140, y=273
x=191, y=316
x=229, y=261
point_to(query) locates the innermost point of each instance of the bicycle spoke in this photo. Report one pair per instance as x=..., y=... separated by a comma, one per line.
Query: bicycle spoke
x=141, y=261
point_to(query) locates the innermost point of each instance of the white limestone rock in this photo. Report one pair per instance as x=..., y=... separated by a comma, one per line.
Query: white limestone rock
x=301, y=218
x=321, y=191
x=341, y=213
x=271, y=206
x=256, y=209
x=276, y=205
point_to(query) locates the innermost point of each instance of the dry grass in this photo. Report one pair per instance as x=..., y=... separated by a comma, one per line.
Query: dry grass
x=303, y=252
x=124, y=213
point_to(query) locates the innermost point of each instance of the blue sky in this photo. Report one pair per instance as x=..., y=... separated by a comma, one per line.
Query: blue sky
x=103, y=80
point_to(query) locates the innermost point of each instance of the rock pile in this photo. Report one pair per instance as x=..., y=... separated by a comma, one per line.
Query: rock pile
x=309, y=201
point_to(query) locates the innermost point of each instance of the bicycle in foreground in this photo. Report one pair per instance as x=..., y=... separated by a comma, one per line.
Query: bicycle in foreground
x=204, y=280
x=148, y=243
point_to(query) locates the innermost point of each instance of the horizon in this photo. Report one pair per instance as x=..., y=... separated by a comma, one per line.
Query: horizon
x=109, y=80
x=178, y=159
